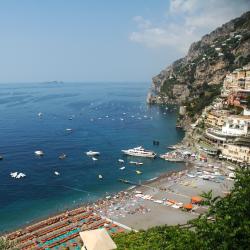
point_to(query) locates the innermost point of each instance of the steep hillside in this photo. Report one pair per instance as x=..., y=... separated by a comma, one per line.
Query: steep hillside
x=206, y=64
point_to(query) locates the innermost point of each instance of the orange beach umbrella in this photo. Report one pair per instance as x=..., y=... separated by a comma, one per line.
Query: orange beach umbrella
x=196, y=199
x=188, y=206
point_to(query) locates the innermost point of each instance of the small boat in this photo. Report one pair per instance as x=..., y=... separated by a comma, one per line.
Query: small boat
x=92, y=153
x=136, y=163
x=94, y=159
x=69, y=129
x=56, y=173
x=62, y=156
x=100, y=176
x=40, y=114
x=122, y=168
x=13, y=174
x=121, y=160
x=172, y=147
x=138, y=172
x=39, y=152
x=1, y=157
x=20, y=175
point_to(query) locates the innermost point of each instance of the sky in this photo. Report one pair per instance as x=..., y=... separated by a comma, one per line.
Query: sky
x=111, y=40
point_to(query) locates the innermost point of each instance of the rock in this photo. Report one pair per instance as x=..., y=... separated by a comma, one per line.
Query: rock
x=204, y=62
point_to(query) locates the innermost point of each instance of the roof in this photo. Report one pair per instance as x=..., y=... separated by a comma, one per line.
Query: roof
x=97, y=239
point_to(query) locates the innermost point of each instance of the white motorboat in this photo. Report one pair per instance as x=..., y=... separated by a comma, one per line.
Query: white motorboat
x=40, y=114
x=94, y=159
x=13, y=174
x=92, y=153
x=20, y=175
x=100, y=176
x=56, y=173
x=62, y=156
x=39, y=152
x=139, y=151
x=136, y=163
x=69, y=129
x=122, y=168
x=121, y=160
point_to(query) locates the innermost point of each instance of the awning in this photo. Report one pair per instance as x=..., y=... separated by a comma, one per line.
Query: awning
x=97, y=239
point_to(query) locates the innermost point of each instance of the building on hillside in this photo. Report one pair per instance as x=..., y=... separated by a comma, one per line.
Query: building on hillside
x=236, y=153
x=238, y=98
x=238, y=79
x=215, y=118
x=236, y=125
x=233, y=128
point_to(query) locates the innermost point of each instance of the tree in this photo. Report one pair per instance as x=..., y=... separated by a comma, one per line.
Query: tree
x=6, y=244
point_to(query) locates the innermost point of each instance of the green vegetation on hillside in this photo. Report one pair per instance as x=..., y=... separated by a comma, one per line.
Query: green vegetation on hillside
x=202, y=97
x=225, y=226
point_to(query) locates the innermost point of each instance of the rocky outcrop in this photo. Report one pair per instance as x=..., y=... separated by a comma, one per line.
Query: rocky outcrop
x=207, y=62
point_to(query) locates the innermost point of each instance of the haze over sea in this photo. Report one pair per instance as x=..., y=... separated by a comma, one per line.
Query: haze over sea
x=106, y=117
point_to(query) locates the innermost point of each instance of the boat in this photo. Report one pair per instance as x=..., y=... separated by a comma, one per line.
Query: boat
x=94, y=159
x=100, y=176
x=138, y=172
x=139, y=151
x=1, y=157
x=92, y=153
x=62, y=156
x=121, y=160
x=56, y=173
x=173, y=157
x=172, y=147
x=39, y=152
x=122, y=168
x=13, y=174
x=40, y=114
x=69, y=129
x=17, y=175
x=20, y=175
x=136, y=163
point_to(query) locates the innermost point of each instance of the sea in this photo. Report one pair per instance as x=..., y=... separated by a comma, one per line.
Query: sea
x=105, y=117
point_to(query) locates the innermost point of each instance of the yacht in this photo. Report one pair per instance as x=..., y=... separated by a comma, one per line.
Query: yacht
x=100, y=176
x=122, y=168
x=92, y=153
x=56, y=173
x=139, y=151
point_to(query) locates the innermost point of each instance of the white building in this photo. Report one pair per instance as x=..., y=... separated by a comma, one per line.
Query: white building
x=236, y=126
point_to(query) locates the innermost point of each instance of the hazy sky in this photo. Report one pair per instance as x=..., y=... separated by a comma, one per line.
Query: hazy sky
x=105, y=40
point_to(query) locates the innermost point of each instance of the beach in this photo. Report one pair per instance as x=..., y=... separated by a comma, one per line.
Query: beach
x=159, y=201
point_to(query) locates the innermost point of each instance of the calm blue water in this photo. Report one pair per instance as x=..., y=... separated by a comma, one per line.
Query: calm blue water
x=96, y=109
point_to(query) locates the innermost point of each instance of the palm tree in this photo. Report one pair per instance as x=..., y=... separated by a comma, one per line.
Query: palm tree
x=6, y=244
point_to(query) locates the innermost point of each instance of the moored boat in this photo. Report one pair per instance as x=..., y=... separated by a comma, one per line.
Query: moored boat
x=140, y=152
x=39, y=152
x=92, y=153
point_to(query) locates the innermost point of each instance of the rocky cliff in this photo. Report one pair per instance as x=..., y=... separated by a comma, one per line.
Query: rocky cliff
x=206, y=63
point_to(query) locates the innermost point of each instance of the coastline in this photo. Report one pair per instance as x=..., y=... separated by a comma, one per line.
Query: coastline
x=129, y=189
